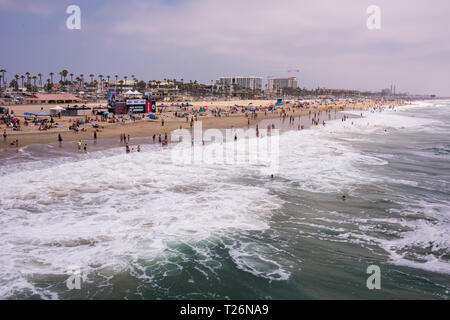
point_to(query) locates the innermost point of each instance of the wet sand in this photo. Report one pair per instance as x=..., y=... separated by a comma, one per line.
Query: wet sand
x=147, y=128
x=70, y=148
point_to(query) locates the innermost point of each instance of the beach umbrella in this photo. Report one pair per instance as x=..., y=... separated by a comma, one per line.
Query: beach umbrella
x=16, y=120
x=151, y=116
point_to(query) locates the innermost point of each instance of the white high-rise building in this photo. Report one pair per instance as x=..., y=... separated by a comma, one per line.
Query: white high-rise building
x=273, y=84
x=253, y=83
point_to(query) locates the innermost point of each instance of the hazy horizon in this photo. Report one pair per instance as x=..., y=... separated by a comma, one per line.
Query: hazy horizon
x=203, y=40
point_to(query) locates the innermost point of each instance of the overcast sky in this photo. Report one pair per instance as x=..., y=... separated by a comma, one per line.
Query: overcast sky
x=328, y=41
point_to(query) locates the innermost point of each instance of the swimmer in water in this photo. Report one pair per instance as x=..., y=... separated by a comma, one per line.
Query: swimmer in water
x=344, y=198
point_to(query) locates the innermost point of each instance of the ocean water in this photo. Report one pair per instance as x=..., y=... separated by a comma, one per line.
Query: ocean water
x=140, y=226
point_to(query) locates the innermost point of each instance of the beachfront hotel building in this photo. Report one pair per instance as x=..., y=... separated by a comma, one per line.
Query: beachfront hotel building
x=252, y=83
x=52, y=98
x=273, y=84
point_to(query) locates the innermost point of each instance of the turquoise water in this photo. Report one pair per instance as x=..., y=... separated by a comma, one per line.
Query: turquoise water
x=141, y=227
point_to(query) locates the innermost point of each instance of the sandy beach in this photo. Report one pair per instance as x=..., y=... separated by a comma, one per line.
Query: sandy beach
x=143, y=127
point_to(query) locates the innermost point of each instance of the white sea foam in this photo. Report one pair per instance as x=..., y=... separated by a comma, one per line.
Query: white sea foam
x=111, y=210
x=106, y=211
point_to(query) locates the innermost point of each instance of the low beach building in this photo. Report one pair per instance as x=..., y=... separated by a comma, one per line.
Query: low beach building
x=52, y=98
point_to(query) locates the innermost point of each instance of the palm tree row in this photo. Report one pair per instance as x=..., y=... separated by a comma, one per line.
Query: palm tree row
x=28, y=78
x=80, y=81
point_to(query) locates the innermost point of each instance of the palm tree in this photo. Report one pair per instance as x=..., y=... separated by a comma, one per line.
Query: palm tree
x=22, y=77
x=92, y=77
x=51, y=74
x=125, y=77
x=100, y=76
x=71, y=77
x=3, y=77
x=121, y=84
x=117, y=77
x=64, y=73
x=40, y=78
x=34, y=80
x=81, y=79
x=107, y=77
x=27, y=74
x=16, y=76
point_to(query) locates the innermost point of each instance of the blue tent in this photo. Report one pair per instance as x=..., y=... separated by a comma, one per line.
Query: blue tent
x=42, y=113
x=27, y=114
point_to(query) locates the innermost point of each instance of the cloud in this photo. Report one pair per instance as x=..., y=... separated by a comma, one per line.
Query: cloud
x=41, y=7
x=327, y=40
x=329, y=35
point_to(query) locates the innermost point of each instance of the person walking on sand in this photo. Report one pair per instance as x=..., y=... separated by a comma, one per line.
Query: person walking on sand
x=85, y=148
x=154, y=138
x=5, y=135
x=59, y=138
x=79, y=145
x=95, y=135
x=128, y=138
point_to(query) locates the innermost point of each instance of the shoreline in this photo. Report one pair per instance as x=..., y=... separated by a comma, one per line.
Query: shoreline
x=142, y=129
x=54, y=150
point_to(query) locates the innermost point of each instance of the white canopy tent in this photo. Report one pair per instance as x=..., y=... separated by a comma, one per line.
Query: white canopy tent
x=56, y=110
x=133, y=93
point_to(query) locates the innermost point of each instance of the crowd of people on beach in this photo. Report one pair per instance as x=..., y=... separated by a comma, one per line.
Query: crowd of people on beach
x=191, y=114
